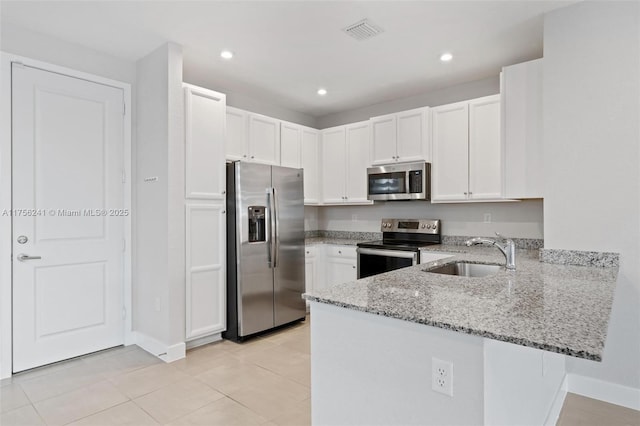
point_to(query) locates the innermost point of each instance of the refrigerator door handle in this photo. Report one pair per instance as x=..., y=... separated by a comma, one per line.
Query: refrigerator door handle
x=276, y=229
x=271, y=235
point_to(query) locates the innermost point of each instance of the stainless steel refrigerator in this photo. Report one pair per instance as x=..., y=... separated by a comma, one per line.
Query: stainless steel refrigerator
x=265, y=248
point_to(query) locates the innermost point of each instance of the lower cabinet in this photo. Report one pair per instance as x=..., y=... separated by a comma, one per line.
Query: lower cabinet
x=329, y=264
x=341, y=264
x=205, y=269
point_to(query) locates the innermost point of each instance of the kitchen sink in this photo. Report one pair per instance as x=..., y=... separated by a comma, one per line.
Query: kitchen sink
x=464, y=269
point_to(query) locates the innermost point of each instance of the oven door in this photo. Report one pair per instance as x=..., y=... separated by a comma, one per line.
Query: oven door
x=377, y=261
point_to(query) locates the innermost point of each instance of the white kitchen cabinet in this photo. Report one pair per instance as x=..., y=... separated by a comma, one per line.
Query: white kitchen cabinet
x=290, y=145
x=264, y=139
x=237, y=141
x=467, y=151
x=341, y=264
x=252, y=137
x=204, y=143
x=205, y=233
x=310, y=148
x=205, y=269
x=311, y=259
x=521, y=94
x=401, y=137
x=345, y=158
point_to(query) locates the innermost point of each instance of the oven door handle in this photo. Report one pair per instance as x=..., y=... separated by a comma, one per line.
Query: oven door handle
x=390, y=253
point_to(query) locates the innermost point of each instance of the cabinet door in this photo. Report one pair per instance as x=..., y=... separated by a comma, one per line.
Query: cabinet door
x=521, y=99
x=383, y=139
x=204, y=143
x=290, y=141
x=237, y=147
x=311, y=163
x=340, y=270
x=449, y=171
x=264, y=139
x=357, y=162
x=413, y=135
x=309, y=271
x=205, y=269
x=333, y=165
x=485, y=149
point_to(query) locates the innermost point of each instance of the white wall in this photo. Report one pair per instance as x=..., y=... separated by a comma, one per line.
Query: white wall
x=591, y=157
x=520, y=219
x=45, y=48
x=158, y=290
x=460, y=92
x=268, y=107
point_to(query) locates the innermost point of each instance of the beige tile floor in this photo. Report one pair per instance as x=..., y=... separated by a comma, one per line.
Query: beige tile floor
x=265, y=381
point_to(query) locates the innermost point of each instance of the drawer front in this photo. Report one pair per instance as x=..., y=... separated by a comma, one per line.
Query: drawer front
x=342, y=251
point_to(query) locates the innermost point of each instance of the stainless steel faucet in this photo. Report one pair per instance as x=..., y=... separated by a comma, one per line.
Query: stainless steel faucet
x=505, y=245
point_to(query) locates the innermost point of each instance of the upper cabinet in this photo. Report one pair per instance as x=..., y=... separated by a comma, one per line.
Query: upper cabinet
x=311, y=165
x=204, y=143
x=290, y=145
x=345, y=158
x=237, y=145
x=401, y=137
x=264, y=139
x=522, y=129
x=467, y=151
x=252, y=137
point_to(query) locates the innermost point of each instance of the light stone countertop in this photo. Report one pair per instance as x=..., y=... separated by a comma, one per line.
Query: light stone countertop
x=336, y=241
x=557, y=308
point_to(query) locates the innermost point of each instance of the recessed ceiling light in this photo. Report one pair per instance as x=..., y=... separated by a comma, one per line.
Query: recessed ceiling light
x=446, y=57
x=226, y=54
x=322, y=92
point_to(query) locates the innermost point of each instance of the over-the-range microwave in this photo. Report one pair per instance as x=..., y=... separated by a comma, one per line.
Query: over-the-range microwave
x=403, y=181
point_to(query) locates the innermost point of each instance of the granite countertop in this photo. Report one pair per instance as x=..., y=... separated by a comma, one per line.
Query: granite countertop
x=558, y=308
x=333, y=240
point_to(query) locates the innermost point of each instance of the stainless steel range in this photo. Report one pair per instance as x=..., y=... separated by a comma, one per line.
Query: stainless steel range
x=399, y=247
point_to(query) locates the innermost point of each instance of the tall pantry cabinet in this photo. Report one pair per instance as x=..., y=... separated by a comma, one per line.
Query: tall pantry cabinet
x=205, y=212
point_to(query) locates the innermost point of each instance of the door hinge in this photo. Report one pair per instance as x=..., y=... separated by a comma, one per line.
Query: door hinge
x=124, y=313
x=124, y=108
x=124, y=245
x=124, y=176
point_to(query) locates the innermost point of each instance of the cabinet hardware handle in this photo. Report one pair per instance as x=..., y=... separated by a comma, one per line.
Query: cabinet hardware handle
x=339, y=251
x=244, y=156
x=252, y=157
x=353, y=266
x=224, y=192
x=465, y=193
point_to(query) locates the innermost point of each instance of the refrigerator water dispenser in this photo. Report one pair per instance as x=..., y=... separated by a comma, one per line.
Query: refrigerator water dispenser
x=257, y=224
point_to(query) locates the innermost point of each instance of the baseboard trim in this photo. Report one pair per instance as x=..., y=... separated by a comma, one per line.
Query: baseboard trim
x=167, y=353
x=558, y=402
x=201, y=341
x=612, y=393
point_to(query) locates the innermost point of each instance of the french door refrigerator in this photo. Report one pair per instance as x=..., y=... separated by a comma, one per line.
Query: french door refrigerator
x=265, y=248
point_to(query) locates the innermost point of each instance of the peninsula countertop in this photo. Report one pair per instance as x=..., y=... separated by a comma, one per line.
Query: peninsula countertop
x=557, y=308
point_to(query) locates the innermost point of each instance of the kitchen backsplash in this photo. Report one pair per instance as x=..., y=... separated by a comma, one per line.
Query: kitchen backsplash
x=516, y=220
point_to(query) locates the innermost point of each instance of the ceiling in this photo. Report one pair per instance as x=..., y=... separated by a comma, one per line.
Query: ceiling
x=286, y=50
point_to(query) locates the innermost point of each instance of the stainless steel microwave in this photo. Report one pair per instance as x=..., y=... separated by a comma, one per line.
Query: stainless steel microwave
x=408, y=181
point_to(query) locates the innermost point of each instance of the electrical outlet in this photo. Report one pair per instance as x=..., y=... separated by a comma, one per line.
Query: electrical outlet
x=442, y=376
x=487, y=218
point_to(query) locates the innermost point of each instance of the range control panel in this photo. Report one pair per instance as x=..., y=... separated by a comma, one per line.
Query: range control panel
x=415, y=226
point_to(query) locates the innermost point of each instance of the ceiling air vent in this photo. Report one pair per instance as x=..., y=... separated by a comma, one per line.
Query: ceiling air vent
x=363, y=30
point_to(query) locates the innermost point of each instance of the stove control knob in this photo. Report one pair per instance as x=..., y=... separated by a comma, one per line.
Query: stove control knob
x=422, y=226
x=388, y=225
x=428, y=226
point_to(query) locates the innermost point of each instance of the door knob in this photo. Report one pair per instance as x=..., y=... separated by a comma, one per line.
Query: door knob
x=22, y=257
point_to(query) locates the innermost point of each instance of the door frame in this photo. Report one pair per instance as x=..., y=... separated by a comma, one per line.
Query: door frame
x=6, y=280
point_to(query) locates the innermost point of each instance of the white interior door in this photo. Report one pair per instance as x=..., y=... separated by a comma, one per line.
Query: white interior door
x=68, y=215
